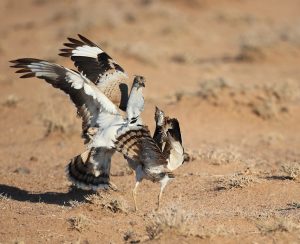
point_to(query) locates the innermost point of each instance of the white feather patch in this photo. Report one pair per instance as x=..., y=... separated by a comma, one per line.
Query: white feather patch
x=135, y=104
x=87, y=51
x=78, y=81
x=109, y=125
x=43, y=69
x=75, y=79
x=176, y=155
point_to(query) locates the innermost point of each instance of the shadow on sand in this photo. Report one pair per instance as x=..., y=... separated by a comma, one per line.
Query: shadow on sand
x=58, y=198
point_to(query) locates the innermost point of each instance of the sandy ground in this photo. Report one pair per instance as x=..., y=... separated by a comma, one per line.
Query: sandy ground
x=228, y=70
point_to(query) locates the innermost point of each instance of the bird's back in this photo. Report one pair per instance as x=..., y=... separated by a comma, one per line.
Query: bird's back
x=137, y=145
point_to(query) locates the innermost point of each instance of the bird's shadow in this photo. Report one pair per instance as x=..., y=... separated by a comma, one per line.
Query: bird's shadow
x=57, y=198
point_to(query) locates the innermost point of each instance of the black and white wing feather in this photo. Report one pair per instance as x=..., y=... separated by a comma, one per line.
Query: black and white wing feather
x=87, y=97
x=99, y=68
x=89, y=170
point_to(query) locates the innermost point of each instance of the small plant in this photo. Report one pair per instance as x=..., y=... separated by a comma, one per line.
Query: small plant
x=211, y=89
x=193, y=155
x=131, y=237
x=294, y=205
x=174, y=218
x=249, y=53
x=106, y=201
x=75, y=203
x=11, y=101
x=277, y=225
x=216, y=231
x=234, y=181
x=292, y=170
x=221, y=156
x=216, y=156
x=4, y=197
x=265, y=101
x=79, y=222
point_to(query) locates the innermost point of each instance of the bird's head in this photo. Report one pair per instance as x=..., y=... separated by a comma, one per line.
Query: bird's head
x=169, y=124
x=159, y=116
x=139, y=81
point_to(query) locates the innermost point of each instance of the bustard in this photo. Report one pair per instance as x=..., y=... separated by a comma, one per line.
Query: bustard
x=100, y=92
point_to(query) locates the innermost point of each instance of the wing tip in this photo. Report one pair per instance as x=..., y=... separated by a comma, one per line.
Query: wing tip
x=22, y=65
x=65, y=52
x=28, y=75
x=86, y=40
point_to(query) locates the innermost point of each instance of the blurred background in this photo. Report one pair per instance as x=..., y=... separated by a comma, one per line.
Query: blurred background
x=227, y=69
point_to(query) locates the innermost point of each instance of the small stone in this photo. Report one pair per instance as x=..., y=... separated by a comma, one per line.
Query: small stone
x=22, y=170
x=33, y=158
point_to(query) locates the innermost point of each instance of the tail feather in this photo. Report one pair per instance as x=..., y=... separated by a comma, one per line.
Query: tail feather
x=175, y=130
x=128, y=143
x=83, y=174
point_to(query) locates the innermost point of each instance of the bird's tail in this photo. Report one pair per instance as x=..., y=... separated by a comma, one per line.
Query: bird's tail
x=173, y=149
x=84, y=172
x=129, y=140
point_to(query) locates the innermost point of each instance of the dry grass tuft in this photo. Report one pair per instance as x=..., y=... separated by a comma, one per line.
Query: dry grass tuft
x=216, y=231
x=79, y=223
x=108, y=202
x=192, y=155
x=250, y=53
x=4, y=197
x=211, y=89
x=294, y=205
x=131, y=237
x=11, y=101
x=234, y=181
x=75, y=203
x=272, y=100
x=266, y=101
x=221, y=156
x=292, y=170
x=216, y=156
x=169, y=219
x=271, y=226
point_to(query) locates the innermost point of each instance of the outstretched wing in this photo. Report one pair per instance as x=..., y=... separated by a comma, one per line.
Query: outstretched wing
x=99, y=68
x=91, y=169
x=89, y=100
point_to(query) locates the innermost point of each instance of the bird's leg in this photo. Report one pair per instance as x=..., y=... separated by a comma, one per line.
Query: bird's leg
x=134, y=194
x=159, y=197
x=139, y=174
x=163, y=184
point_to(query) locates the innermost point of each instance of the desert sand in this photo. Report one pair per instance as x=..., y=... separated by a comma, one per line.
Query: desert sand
x=228, y=70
